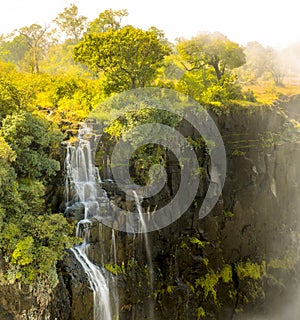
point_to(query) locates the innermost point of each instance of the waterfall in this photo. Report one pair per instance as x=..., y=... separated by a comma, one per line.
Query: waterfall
x=144, y=232
x=115, y=293
x=82, y=186
x=97, y=282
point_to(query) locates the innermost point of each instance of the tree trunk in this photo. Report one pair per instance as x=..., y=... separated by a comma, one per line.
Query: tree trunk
x=215, y=64
x=218, y=72
x=133, y=83
x=36, y=68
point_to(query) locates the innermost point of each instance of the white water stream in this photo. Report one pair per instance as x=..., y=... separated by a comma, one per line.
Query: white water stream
x=83, y=182
x=144, y=232
x=83, y=186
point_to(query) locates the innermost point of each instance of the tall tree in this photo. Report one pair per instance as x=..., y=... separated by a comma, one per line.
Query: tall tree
x=275, y=66
x=211, y=49
x=264, y=62
x=37, y=40
x=108, y=19
x=71, y=23
x=257, y=58
x=129, y=57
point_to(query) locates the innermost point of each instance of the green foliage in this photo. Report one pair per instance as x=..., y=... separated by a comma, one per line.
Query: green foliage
x=10, y=98
x=251, y=270
x=250, y=96
x=209, y=282
x=224, y=90
x=213, y=50
x=37, y=39
x=14, y=50
x=203, y=87
x=31, y=192
x=71, y=23
x=8, y=187
x=31, y=137
x=107, y=20
x=263, y=63
x=144, y=157
x=6, y=152
x=238, y=153
x=207, y=62
x=226, y=274
x=115, y=269
x=200, y=313
x=228, y=214
x=23, y=254
x=31, y=239
x=200, y=244
x=59, y=62
x=129, y=57
x=64, y=99
x=32, y=245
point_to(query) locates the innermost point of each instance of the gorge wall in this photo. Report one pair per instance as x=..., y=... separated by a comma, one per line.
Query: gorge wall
x=239, y=262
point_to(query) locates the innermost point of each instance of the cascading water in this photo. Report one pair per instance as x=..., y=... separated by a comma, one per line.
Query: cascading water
x=83, y=186
x=82, y=182
x=144, y=231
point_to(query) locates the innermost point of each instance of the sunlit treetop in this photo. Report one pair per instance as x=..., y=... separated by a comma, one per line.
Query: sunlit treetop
x=129, y=57
x=211, y=49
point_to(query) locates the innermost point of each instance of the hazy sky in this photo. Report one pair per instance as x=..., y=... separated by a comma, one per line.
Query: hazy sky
x=273, y=23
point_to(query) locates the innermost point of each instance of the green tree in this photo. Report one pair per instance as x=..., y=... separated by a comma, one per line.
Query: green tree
x=14, y=50
x=6, y=152
x=263, y=63
x=32, y=240
x=257, y=61
x=108, y=19
x=161, y=36
x=275, y=66
x=71, y=23
x=129, y=57
x=10, y=98
x=9, y=197
x=31, y=138
x=211, y=50
x=60, y=60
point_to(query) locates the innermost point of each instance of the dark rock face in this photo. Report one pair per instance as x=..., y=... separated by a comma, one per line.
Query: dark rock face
x=240, y=262
x=73, y=298
x=5, y=315
x=20, y=302
x=241, y=259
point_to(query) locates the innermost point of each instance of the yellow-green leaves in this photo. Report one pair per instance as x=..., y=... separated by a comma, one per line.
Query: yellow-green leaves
x=250, y=270
x=6, y=152
x=129, y=57
x=23, y=254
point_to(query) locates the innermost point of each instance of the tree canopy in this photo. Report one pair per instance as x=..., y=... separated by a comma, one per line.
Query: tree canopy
x=129, y=57
x=71, y=23
x=32, y=238
x=37, y=40
x=108, y=19
x=30, y=139
x=211, y=49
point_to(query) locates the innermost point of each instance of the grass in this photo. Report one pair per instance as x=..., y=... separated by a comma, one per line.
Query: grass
x=266, y=92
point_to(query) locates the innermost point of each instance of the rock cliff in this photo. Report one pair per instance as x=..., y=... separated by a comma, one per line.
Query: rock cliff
x=239, y=262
